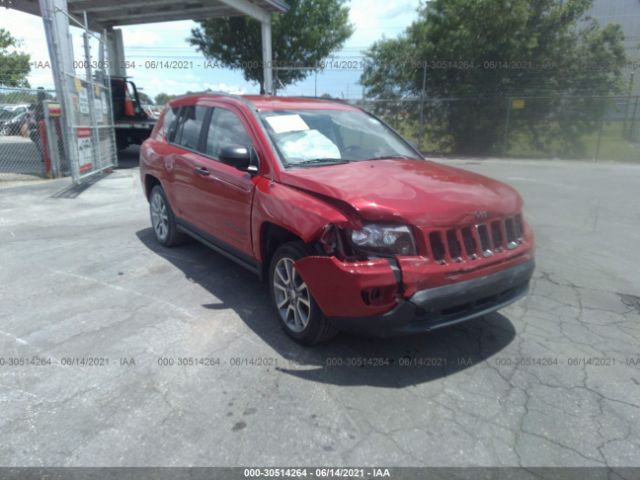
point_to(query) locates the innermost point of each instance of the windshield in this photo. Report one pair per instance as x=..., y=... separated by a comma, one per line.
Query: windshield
x=4, y=114
x=318, y=137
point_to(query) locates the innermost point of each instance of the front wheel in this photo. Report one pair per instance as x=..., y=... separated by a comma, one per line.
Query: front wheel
x=298, y=312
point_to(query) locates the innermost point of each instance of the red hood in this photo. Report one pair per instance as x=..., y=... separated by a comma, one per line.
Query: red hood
x=422, y=193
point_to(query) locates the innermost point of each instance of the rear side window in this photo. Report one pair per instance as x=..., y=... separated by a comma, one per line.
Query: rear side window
x=189, y=126
x=169, y=122
x=225, y=129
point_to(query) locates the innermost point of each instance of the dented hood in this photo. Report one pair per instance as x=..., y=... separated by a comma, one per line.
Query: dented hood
x=422, y=193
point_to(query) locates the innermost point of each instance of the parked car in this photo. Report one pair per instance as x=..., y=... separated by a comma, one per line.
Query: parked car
x=347, y=222
x=12, y=118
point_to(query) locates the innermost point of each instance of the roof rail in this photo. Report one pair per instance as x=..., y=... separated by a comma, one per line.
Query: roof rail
x=220, y=93
x=312, y=97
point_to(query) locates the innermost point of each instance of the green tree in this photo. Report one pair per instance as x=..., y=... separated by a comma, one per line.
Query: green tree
x=14, y=65
x=485, y=52
x=162, y=98
x=144, y=98
x=301, y=37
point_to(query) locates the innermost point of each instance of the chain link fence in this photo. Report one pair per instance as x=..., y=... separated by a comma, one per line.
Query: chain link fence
x=30, y=138
x=594, y=128
x=44, y=136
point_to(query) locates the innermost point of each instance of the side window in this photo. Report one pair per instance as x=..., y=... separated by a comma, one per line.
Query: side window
x=169, y=122
x=189, y=126
x=225, y=129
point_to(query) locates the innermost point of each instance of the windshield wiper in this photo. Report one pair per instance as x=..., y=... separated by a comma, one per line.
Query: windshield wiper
x=394, y=157
x=319, y=161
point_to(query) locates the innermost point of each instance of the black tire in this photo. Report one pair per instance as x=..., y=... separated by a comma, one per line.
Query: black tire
x=121, y=142
x=171, y=235
x=317, y=328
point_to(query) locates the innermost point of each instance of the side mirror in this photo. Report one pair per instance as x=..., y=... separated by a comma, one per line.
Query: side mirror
x=240, y=157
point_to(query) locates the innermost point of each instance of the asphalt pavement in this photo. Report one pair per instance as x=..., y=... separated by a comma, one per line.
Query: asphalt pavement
x=115, y=351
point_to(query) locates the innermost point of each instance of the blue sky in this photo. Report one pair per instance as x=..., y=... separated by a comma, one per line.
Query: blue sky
x=372, y=20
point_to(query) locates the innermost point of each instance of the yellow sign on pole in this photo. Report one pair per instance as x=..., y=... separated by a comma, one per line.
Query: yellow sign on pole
x=517, y=103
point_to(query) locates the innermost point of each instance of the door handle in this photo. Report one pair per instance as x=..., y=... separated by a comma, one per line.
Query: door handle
x=201, y=171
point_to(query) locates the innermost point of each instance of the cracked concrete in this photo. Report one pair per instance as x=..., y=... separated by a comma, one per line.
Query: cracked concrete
x=553, y=380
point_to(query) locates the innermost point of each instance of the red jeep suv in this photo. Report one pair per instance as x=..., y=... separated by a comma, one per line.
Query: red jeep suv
x=350, y=226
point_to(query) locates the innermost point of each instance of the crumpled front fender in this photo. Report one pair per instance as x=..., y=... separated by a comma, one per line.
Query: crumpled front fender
x=354, y=289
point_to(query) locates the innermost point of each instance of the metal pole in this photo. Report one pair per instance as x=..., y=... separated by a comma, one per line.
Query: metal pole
x=91, y=97
x=56, y=26
x=505, y=145
x=50, y=129
x=422, y=99
x=267, y=64
x=597, y=153
x=632, y=137
x=626, y=134
x=106, y=77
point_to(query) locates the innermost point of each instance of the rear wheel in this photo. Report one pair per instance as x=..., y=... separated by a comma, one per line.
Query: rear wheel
x=298, y=312
x=162, y=219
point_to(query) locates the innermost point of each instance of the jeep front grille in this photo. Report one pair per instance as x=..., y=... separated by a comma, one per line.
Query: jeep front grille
x=476, y=241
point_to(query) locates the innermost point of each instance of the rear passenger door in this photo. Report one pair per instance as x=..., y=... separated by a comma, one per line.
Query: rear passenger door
x=187, y=135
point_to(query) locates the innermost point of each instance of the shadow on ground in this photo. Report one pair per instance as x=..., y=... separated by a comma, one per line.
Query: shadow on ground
x=405, y=360
x=129, y=157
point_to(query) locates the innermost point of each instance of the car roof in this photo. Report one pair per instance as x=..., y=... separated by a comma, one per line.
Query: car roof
x=264, y=102
x=268, y=102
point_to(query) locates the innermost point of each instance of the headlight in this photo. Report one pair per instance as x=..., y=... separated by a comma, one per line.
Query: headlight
x=384, y=239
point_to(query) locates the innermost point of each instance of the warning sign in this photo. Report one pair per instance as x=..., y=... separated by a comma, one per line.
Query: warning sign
x=85, y=155
x=517, y=103
x=84, y=101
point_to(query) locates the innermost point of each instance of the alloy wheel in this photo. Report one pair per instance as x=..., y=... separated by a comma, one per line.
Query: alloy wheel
x=291, y=296
x=159, y=217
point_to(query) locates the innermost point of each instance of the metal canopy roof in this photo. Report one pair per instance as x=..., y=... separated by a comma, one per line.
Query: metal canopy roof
x=109, y=13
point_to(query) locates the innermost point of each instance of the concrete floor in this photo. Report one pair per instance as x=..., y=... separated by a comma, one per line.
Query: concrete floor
x=553, y=380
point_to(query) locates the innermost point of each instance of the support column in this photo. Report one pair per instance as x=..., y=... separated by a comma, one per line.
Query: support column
x=247, y=7
x=115, y=51
x=56, y=27
x=267, y=60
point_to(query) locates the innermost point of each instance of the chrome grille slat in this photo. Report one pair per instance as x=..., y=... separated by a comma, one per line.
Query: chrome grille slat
x=437, y=246
x=471, y=242
x=453, y=245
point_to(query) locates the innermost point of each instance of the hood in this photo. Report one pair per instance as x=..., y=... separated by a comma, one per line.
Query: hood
x=421, y=193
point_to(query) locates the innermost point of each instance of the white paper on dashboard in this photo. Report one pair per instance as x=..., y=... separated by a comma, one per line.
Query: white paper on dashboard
x=287, y=123
x=307, y=145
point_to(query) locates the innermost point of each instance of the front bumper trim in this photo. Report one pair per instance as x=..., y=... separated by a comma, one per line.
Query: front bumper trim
x=447, y=305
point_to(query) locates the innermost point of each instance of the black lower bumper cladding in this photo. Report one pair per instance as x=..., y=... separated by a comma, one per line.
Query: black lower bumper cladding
x=447, y=305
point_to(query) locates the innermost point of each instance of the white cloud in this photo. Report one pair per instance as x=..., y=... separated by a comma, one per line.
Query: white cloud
x=374, y=18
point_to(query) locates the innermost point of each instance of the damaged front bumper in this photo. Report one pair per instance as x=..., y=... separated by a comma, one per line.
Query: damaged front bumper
x=342, y=291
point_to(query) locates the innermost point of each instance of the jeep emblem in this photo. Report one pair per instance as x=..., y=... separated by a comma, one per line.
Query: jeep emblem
x=482, y=215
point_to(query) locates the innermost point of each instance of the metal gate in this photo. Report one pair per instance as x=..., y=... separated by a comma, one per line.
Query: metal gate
x=84, y=89
x=25, y=136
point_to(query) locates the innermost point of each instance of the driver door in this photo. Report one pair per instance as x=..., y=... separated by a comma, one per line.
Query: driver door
x=227, y=190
